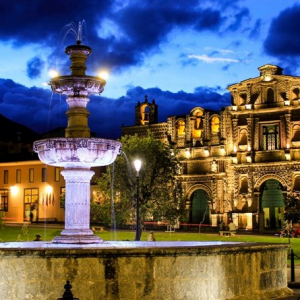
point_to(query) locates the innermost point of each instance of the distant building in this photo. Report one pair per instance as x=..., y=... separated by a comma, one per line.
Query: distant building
x=29, y=190
x=242, y=161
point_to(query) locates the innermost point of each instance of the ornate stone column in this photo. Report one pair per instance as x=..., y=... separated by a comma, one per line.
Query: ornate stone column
x=77, y=206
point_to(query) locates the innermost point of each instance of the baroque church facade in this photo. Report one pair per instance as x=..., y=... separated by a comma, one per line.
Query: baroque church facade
x=241, y=162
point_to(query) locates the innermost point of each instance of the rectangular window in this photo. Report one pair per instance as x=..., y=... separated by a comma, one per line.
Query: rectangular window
x=56, y=174
x=31, y=203
x=31, y=175
x=4, y=199
x=44, y=175
x=18, y=176
x=5, y=177
x=270, y=137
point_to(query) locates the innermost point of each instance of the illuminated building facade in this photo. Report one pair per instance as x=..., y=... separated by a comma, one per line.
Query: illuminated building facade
x=242, y=161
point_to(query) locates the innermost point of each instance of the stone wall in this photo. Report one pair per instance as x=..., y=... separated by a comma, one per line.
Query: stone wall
x=154, y=271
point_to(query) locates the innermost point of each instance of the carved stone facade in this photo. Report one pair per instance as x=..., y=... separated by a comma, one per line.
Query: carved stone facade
x=231, y=154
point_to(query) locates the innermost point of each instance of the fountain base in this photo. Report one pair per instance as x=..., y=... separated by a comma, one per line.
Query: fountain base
x=144, y=270
x=73, y=236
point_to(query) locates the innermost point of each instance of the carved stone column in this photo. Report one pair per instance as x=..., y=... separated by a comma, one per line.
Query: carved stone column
x=77, y=206
x=235, y=133
x=249, y=129
x=288, y=129
x=256, y=134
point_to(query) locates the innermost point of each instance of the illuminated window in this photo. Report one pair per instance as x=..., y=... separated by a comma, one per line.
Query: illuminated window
x=198, y=125
x=145, y=114
x=4, y=199
x=56, y=174
x=44, y=175
x=18, y=176
x=5, y=176
x=215, y=124
x=181, y=128
x=270, y=137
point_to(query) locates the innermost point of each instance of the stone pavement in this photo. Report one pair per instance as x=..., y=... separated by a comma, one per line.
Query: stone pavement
x=295, y=286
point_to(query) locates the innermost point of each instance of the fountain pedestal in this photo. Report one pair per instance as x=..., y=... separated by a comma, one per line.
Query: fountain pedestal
x=77, y=204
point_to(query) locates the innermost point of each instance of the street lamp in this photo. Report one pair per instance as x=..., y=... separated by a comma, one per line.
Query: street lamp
x=137, y=166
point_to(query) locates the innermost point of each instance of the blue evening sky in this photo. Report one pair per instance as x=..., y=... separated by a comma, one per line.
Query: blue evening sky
x=182, y=53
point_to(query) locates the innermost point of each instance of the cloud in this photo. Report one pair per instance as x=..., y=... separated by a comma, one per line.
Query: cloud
x=41, y=111
x=255, y=32
x=208, y=59
x=282, y=36
x=34, y=67
x=121, y=33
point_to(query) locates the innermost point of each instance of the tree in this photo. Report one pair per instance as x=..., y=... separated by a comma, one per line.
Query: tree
x=292, y=208
x=160, y=193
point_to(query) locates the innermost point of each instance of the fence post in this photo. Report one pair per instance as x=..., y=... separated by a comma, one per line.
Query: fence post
x=292, y=266
x=68, y=294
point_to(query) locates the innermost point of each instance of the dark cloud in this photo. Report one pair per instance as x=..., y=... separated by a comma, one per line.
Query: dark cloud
x=35, y=67
x=41, y=111
x=134, y=28
x=282, y=36
x=255, y=31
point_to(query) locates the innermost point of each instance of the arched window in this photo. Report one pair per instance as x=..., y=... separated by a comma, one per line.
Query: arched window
x=181, y=128
x=198, y=125
x=145, y=111
x=215, y=124
x=270, y=95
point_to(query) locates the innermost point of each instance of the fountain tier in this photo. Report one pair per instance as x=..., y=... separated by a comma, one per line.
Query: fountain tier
x=77, y=152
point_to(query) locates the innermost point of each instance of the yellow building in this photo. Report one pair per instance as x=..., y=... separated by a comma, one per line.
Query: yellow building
x=240, y=162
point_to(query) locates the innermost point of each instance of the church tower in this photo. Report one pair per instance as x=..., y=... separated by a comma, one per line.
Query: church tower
x=146, y=113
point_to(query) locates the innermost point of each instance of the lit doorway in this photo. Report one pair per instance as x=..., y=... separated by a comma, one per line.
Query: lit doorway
x=272, y=203
x=31, y=205
x=199, y=207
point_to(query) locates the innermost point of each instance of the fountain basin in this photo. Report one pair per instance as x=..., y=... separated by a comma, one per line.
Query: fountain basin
x=77, y=152
x=144, y=270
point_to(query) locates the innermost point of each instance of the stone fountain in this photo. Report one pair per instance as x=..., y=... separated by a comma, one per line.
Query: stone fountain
x=125, y=270
x=77, y=152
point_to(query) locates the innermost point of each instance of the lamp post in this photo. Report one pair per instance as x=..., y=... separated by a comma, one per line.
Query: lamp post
x=137, y=166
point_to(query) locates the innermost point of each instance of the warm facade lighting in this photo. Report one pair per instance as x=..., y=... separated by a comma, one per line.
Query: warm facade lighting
x=248, y=159
x=287, y=156
x=234, y=108
x=234, y=160
x=187, y=153
x=206, y=152
x=287, y=146
x=248, y=106
x=249, y=148
x=14, y=190
x=49, y=189
x=234, y=149
x=287, y=102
